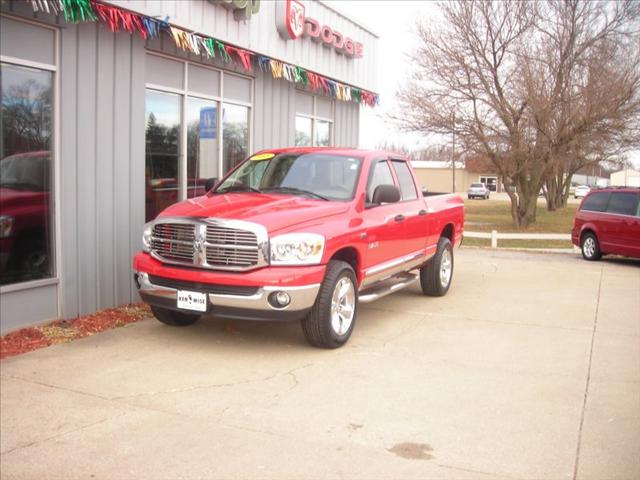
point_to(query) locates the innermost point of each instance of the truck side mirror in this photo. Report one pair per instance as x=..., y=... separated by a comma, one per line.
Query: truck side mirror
x=385, y=194
x=210, y=183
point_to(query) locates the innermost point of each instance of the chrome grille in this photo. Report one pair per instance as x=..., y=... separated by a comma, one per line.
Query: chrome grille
x=173, y=241
x=210, y=243
x=230, y=236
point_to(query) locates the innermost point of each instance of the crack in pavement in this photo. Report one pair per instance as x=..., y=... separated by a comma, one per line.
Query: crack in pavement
x=61, y=434
x=217, y=385
x=586, y=387
x=471, y=470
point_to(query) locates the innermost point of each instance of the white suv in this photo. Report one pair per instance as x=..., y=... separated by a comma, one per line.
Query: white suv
x=581, y=191
x=478, y=190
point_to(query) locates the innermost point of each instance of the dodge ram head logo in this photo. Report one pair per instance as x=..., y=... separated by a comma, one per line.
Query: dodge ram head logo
x=290, y=19
x=198, y=243
x=199, y=250
x=292, y=23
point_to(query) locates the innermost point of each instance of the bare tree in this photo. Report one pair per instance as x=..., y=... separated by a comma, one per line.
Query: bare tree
x=493, y=65
x=582, y=77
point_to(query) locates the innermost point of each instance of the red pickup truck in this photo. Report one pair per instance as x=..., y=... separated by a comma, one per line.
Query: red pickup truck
x=299, y=234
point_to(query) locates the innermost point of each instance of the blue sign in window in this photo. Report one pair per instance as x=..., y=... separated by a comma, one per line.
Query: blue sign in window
x=209, y=122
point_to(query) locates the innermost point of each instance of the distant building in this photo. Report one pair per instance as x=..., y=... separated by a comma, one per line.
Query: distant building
x=626, y=178
x=438, y=176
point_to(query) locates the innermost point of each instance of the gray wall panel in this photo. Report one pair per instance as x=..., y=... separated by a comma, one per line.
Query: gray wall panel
x=34, y=305
x=102, y=165
x=121, y=163
x=105, y=187
x=136, y=164
x=86, y=166
x=68, y=173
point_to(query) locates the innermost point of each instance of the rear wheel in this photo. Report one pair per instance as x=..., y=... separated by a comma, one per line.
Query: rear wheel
x=173, y=318
x=331, y=320
x=590, y=247
x=436, y=275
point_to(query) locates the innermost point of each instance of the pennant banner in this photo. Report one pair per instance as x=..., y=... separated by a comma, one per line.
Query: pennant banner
x=118, y=19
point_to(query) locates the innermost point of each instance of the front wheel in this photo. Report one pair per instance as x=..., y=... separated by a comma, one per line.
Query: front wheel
x=331, y=320
x=436, y=275
x=173, y=318
x=590, y=247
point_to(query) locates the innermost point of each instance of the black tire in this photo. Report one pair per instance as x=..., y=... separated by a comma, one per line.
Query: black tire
x=590, y=247
x=317, y=325
x=469, y=197
x=173, y=318
x=430, y=279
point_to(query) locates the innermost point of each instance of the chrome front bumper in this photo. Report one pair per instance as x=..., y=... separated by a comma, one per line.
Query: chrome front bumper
x=302, y=298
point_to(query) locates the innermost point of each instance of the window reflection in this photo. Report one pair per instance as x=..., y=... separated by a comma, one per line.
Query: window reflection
x=26, y=220
x=202, y=144
x=235, y=128
x=303, y=131
x=162, y=151
x=323, y=133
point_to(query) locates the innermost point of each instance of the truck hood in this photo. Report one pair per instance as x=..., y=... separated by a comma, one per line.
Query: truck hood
x=13, y=198
x=274, y=212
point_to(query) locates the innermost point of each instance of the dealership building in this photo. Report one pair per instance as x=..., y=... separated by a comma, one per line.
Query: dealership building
x=113, y=110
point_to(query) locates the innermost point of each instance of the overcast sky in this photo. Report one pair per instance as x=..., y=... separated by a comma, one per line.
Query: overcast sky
x=394, y=22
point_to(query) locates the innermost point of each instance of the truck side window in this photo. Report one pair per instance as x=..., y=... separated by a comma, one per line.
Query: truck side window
x=407, y=187
x=381, y=176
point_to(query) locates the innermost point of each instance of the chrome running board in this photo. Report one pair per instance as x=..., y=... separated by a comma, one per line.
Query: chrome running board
x=390, y=285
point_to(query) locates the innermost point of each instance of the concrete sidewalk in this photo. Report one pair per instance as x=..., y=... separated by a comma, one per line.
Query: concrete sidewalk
x=529, y=368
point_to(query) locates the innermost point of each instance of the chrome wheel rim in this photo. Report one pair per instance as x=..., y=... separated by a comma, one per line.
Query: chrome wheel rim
x=446, y=267
x=589, y=247
x=343, y=303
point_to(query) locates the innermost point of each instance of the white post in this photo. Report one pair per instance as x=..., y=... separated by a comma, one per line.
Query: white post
x=494, y=239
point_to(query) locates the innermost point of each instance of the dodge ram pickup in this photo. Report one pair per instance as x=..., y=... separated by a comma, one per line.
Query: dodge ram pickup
x=299, y=234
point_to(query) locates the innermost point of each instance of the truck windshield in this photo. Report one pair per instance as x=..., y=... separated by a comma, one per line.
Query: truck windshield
x=316, y=175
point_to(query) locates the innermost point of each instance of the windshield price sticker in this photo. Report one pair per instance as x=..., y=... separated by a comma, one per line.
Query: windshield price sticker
x=192, y=300
x=262, y=156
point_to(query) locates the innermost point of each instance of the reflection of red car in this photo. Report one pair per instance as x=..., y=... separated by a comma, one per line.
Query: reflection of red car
x=162, y=192
x=608, y=221
x=24, y=216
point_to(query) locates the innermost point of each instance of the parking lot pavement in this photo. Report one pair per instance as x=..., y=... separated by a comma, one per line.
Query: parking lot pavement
x=528, y=368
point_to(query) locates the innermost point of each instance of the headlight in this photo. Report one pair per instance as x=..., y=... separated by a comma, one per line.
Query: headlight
x=146, y=237
x=6, y=226
x=297, y=249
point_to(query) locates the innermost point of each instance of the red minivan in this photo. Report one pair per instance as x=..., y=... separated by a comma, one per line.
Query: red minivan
x=608, y=221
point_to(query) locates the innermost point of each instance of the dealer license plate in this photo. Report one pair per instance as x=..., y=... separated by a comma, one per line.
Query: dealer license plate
x=192, y=300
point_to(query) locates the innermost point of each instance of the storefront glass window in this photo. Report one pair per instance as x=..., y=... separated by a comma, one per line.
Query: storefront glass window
x=162, y=151
x=26, y=213
x=202, y=144
x=303, y=131
x=323, y=133
x=235, y=128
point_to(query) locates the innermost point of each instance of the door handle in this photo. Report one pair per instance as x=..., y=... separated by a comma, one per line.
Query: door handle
x=399, y=218
x=422, y=212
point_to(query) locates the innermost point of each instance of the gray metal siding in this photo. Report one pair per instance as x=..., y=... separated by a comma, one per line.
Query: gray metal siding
x=102, y=165
x=347, y=124
x=26, y=307
x=260, y=34
x=274, y=113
